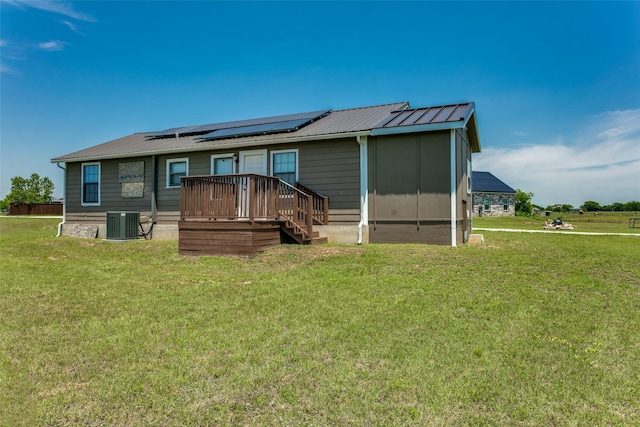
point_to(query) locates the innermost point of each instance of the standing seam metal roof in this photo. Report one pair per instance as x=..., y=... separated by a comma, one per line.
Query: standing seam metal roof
x=336, y=123
x=331, y=125
x=427, y=115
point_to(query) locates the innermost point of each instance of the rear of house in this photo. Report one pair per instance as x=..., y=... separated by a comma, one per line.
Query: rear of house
x=390, y=173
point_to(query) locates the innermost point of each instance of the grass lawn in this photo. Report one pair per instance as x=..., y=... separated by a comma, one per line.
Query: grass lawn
x=608, y=222
x=527, y=329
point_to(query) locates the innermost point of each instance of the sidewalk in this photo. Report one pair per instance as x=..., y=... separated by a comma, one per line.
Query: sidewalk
x=32, y=216
x=584, y=233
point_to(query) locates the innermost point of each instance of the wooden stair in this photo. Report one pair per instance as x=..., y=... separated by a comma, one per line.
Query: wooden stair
x=292, y=233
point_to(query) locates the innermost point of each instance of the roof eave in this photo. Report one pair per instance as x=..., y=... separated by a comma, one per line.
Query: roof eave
x=205, y=147
x=470, y=121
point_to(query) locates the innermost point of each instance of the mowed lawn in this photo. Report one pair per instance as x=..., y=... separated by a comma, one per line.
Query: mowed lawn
x=527, y=329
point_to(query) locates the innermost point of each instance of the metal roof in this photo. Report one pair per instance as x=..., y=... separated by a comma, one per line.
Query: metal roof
x=202, y=129
x=427, y=119
x=427, y=116
x=486, y=182
x=335, y=125
x=329, y=124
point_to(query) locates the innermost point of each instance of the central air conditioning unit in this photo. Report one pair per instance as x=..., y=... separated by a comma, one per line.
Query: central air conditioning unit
x=122, y=225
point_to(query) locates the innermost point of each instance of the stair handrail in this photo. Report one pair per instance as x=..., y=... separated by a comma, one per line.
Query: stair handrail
x=300, y=213
x=320, y=204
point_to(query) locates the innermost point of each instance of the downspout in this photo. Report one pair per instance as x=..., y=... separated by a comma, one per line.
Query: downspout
x=64, y=198
x=154, y=188
x=364, y=186
x=453, y=195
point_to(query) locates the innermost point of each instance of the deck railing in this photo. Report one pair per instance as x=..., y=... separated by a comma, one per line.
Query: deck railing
x=250, y=197
x=228, y=197
x=320, y=204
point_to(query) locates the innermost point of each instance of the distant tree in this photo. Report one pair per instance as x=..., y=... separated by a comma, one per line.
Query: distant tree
x=524, y=207
x=567, y=208
x=632, y=206
x=617, y=206
x=30, y=190
x=591, y=206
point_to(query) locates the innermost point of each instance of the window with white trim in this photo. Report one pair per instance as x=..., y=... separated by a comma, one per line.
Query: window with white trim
x=176, y=168
x=487, y=206
x=505, y=204
x=284, y=165
x=223, y=164
x=90, y=184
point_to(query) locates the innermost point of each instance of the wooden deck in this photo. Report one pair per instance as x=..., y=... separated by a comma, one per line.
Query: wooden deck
x=245, y=214
x=243, y=238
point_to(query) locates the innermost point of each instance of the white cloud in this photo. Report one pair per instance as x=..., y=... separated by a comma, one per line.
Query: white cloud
x=600, y=164
x=52, y=45
x=6, y=69
x=53, y=6
x=73, y=27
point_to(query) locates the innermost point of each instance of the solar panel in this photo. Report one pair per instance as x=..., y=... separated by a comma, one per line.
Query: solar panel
x=244, y=127
x=257, y=129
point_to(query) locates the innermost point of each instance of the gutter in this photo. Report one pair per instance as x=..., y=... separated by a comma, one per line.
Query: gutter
x=64, y=198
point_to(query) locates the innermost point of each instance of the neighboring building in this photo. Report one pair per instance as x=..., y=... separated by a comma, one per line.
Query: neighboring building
x=491, y=196
x=391, y=173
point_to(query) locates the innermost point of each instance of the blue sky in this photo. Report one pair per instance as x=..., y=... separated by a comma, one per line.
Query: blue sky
x=556, y=84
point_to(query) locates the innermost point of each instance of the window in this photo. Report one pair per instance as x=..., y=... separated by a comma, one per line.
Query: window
x=223, y=164
x=176, y=168
x=90, y=184
x=505, y=204
x=487, y=207
x=284, y=165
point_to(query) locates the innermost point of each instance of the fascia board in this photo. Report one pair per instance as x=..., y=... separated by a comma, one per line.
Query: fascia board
x=218, y=147
x=418, y=128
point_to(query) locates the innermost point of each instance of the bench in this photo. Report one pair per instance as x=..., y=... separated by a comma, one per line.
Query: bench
x=632, y=222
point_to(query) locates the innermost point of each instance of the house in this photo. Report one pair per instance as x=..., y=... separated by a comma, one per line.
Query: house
x=386, y=173
x=491, y=196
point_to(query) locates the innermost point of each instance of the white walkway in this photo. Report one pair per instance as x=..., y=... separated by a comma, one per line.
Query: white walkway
x=511, y=230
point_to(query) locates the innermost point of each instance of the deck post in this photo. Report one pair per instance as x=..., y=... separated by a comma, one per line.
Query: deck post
x=325, y=210
x=183, y=199
x=309, y=216
x=252, y=199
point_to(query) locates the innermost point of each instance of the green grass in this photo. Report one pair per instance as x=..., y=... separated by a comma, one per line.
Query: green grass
x=608, y=222
x=527, y=329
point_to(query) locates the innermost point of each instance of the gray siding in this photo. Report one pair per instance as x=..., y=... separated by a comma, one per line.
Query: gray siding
x=463, y=197
x=409, y=177
x=168, y=199
x=111, y=197
x=409, y=181
x=331, y=168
